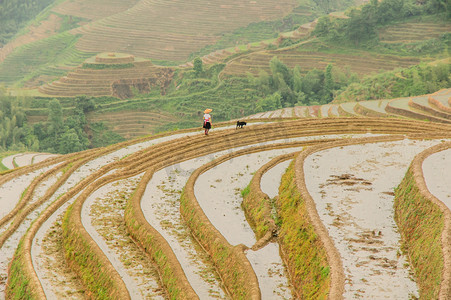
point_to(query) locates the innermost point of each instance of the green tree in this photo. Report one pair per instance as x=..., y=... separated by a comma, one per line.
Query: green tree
x=198, y=66
x=323, y=27
x=359, y=28
x=15, y=13
x=70, y=142
x=297, y=79
x=55, y=119
x=278, y=67
x=329, y=84
x=271, y=102
x=84, y=104
x=324, y=5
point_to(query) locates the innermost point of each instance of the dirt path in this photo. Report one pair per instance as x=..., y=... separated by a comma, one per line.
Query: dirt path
x=353, y=190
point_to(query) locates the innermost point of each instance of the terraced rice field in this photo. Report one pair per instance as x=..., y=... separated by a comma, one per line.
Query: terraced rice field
x=43, y=30
x=433, y=107
x=423, y=103
x=441, y=100
x=375, y=108
x=100, y=82
x=131, y=124
x=413, y=32
x=276, y=210
x=24, y=159
x=148, y=29
x=418, y=108
x=42, y=61
x=93, y=9
x=361, y=63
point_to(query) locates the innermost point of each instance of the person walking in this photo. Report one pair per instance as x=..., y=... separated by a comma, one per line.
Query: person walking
x=207, y=120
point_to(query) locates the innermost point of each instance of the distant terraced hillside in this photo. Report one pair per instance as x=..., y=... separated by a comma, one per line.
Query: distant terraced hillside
x=110, y=74
x=413, y=31
x=360, y=62
x=93, y=9
x=170, y=32
x=173, y=30
x=131, y=124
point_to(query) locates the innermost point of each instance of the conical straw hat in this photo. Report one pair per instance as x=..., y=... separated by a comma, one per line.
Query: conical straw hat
x=207, y=110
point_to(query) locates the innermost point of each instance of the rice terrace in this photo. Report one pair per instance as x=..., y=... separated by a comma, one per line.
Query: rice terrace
x=326, y=173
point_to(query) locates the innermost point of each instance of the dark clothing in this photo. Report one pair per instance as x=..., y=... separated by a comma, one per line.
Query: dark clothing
x=207, y=125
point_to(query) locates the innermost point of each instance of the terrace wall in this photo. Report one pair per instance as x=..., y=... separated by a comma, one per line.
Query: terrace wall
x=439, y=105
x=425, y=226
x=364, y=111
x=430, y=110
x=414, y=115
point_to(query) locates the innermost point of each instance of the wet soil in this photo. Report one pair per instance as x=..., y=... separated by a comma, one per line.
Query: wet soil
x=218, y=192
x=352, y=187
x=437, y=174
x=106, y=214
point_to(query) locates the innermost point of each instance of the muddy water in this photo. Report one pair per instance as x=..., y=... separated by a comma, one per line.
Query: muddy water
x=37, y=158
x=161, y=208
x=101, y=217
x=270, y=181
x=8, y=161
x=300, y=111
x=11, y=191
x=437, y=174
x=218, y=192
x=288, y=112
x=270, y=271
x=24, y=159
x=58, y=281
x=56, y=278
x=353, y=190
x=10, y=246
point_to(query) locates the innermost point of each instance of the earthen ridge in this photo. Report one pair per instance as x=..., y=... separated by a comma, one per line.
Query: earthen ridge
x=417, y=170
x=291, y=129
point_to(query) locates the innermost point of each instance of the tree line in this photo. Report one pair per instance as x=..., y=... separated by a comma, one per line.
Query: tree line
x=57, y=135
x=417, y=80
x=362, y=24
x=285, y=87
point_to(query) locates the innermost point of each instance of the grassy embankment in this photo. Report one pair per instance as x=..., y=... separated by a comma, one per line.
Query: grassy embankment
x=424, y=224
x=309, y=267
x=2, y=156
